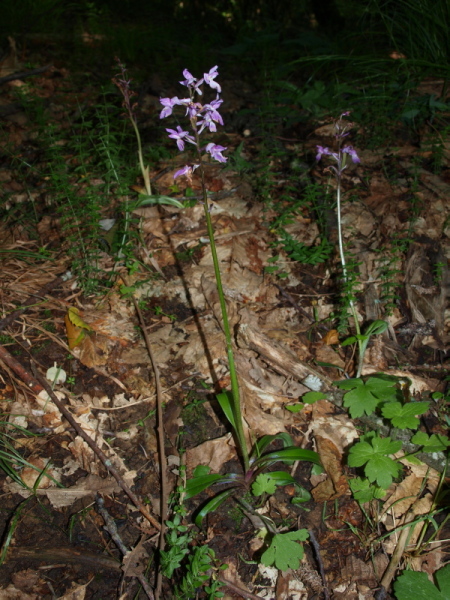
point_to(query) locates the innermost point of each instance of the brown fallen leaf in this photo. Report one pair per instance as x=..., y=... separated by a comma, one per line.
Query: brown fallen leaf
x=336, y=484
x=213, y=453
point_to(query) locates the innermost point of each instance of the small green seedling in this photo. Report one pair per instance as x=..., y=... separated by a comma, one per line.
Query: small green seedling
x=159, y=311
x=308, y=398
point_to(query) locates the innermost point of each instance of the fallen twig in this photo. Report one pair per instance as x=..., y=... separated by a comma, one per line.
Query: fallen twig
x=395, y=559
x=238, y=590
x=20, y=371
x=111, y=528
x=160, y=432
x=24, y=74
x=63, y=555
x=316, y=547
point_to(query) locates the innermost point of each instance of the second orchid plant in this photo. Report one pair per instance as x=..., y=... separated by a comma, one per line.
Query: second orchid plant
x=340, y=159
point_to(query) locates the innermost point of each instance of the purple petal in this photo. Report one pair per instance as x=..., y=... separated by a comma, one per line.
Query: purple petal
x=209, y=78
x=216, y=152
x=350, y=150
x=321, y=151
x=182, y=171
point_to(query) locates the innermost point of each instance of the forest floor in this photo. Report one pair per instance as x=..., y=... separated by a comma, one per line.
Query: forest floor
x=281, y=311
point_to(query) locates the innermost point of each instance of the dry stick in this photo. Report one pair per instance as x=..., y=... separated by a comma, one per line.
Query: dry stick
x=111, y=528
x=24, y=74
x=238, y=590
x=315, y=545
x=160, y=432
x=395, y=559
x=101, y=455
x=20, y=371
x=63, y=555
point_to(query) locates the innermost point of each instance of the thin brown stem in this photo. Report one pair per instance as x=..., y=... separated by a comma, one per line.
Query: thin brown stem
x=160, y=432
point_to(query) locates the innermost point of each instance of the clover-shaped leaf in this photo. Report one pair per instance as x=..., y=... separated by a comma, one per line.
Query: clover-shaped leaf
x=404, y=416
x=379, y=467
x=284, y=552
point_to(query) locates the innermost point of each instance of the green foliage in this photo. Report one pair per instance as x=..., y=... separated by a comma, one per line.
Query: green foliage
x=373, y=452
x=194, y=563
x=308, y=255
x=263, y=484
x=267, y=483
x=177, y=540
x=284, y=552
x=200, y=562
x=363, y=491
x=404, y=416
x=365, y=397
x=255, y=478
x=431, y=443
x=412, y=584
x=312, y=397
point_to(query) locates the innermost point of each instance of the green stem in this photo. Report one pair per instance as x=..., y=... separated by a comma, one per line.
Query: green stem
x=226, y=325
x=345, y=275
x=144, y=170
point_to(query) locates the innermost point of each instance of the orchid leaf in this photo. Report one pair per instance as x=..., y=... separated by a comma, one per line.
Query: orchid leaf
x=198, y=484
x=287, y=454
x=145, y=200
x=266, y=440
x=213, y=505
x=225, y=399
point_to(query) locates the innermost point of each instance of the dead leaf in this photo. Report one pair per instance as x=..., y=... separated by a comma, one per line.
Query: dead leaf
x=12, y=593
x=135, y=562
x=30, y=476
x=336, y=484
x=331, y=337
x=85, y=486
x=213, y=453
x=77, y=592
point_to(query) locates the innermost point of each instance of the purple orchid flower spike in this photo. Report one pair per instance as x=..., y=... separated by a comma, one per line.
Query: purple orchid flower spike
x=187, y=170
x=180, y=136
x=216, y=152
x=209, y=78
x=201, y=116
x=352, y=152
x=321, y=151
x=191, y=82
x=168, y=104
